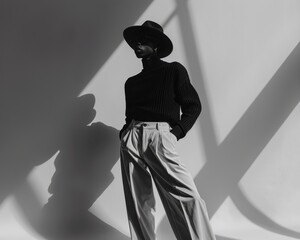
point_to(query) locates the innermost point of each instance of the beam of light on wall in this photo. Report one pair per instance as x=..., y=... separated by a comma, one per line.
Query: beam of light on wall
x=238, y=226
x=40, y=179
x=275, y=170
x=241, y=45
x=12, y=225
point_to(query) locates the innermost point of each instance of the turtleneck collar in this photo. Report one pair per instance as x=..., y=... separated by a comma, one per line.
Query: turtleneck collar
x=151, y=63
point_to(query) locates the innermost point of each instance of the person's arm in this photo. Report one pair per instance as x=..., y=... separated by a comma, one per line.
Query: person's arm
x=127, y=119
x=189, y=101
x=127, y=122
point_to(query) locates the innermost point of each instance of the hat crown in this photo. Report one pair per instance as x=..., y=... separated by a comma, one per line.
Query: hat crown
x=153, y=30
x=153, y=25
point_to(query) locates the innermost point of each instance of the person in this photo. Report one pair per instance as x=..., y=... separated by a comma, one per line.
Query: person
x=161, y=107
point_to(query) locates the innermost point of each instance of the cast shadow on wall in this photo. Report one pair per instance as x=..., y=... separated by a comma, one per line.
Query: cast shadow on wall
x=49, y=53
x=228, y=162
x=87, y=152
x=82, y=173
x=50, y=50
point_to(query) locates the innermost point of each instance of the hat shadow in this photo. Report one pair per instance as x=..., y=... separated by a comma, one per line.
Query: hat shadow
x=49, y=53
x=82, y=173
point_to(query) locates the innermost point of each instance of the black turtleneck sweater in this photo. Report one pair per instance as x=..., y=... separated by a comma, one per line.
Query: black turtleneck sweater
x=162, y=92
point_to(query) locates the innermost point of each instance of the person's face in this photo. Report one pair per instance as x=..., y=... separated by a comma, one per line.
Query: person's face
x=145, y=48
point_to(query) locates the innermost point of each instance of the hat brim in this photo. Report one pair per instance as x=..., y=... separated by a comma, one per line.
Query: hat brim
x=134, y=34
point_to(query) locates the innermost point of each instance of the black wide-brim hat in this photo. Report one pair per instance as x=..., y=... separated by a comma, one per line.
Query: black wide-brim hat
x=134, y=34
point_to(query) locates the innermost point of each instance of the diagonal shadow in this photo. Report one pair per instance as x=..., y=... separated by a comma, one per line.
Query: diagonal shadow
x=83, y=172
x=49, y=52
x=88, y=227
x=227, y=163
x=232, y=158
x=87, y=153
x=253, y=131
x=246, y=141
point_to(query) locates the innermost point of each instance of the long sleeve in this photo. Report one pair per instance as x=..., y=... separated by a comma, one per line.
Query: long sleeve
x=189, y=101
x=162, y=93
x=127, y=118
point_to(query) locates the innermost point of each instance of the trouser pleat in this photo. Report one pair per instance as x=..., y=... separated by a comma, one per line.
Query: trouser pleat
x=150, y=153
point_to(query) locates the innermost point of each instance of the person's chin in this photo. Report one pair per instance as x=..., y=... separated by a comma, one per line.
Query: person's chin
x=138, y=55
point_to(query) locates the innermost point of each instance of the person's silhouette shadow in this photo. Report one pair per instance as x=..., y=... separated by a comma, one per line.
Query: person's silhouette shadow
x=87, y=154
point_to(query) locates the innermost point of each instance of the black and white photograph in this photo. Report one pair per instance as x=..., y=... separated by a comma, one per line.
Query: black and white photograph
x=149, y=120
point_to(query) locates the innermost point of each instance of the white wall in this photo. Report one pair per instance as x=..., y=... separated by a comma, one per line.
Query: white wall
x=242, y=57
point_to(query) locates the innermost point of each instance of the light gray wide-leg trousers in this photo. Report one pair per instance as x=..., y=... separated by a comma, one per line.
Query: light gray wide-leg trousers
x=148, y=152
